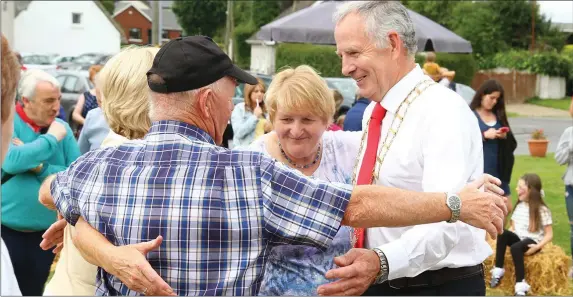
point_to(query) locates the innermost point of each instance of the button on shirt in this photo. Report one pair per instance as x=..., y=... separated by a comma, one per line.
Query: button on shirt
x=438, y=148
x=219, y=211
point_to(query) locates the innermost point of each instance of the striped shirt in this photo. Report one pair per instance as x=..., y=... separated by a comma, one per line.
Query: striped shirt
x=220, y=212
x=520, y=220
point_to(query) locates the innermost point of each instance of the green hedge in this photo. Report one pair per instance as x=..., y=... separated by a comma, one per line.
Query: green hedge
x=464, y=65
x=548, y=63
x=324, y=59
x=321, y=57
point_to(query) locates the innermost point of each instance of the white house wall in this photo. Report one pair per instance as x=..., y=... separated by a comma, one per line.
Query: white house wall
x=8, y=20
x=46, y=28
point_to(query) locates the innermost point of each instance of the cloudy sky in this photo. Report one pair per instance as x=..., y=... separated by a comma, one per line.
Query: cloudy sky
x=558, y=11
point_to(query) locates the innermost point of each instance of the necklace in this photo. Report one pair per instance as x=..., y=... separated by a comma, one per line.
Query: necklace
x=392, y=131
x=300, y=166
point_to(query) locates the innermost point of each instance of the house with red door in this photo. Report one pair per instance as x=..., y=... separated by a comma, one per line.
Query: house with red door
x=136, y=19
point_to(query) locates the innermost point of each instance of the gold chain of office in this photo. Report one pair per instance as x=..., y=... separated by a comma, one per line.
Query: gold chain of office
x=392, y=131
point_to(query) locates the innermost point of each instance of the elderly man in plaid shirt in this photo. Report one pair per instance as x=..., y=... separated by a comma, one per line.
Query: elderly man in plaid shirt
x=218, y=211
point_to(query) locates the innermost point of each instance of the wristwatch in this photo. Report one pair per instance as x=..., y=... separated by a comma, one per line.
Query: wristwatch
x=454, y=203
x=384, y=270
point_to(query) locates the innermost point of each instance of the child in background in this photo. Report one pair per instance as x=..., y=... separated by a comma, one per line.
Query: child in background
x=531, y=229
x=431, y=67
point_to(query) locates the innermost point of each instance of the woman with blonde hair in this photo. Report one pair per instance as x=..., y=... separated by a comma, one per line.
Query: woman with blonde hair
x=87, y=101
x=301, y=108
x=125, y=103
x=248, y=114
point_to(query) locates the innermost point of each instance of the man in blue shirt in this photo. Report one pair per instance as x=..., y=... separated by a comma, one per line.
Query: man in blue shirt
x=353, y=120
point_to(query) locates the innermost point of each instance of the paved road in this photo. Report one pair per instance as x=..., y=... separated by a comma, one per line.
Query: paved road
x=523, y=126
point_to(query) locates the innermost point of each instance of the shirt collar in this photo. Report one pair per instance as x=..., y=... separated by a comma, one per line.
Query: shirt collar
x=177, y=127
x=399, y=91
x=20, y=111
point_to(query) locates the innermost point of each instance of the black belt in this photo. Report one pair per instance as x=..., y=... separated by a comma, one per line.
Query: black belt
x=436, y=277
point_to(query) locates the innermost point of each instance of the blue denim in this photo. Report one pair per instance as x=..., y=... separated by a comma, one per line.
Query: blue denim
x=569, y=206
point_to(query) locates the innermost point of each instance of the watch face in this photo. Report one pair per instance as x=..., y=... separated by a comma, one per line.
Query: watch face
x=454, y=202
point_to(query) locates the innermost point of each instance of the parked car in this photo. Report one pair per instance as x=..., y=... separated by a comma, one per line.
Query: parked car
x=346, y=86
x=73, y=84
x=84, y=62
x=62, y=59
x=36, y=61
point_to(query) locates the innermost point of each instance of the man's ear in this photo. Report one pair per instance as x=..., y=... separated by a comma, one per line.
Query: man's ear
x=395, y=44
x=25, y=101
x=204, y=103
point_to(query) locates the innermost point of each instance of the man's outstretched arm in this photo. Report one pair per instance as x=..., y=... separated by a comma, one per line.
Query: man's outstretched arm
x=378, y=206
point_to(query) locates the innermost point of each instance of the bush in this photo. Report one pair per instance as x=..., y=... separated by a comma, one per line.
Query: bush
x=547, y=63
x=321, y=57
x=242, y=48
x=464, y=65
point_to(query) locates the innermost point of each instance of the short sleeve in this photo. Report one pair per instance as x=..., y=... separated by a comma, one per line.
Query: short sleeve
x=298, y=209
x=545, y=216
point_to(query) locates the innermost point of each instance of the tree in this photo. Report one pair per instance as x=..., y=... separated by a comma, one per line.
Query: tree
x=205, y=17
x=109, y=5
x=438, y=11
x=266, y=11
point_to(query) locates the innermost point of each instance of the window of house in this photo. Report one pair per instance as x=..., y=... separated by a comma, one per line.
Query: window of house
x=135, y=33
x=165, y=34
x=76, y=18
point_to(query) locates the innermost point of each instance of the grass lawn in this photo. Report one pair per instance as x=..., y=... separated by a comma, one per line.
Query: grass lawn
x=513, y=115
x=562, y=104
x=550, y=174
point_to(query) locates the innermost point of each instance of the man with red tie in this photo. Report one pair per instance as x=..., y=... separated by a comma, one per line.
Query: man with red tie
x=419, y=136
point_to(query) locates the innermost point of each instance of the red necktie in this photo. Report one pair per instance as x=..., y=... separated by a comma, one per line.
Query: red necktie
x=369, y=160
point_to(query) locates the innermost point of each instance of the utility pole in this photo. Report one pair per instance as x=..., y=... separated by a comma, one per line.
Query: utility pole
x=229, y=30
x=159, y=23
x=533, y=5
x=155, y=24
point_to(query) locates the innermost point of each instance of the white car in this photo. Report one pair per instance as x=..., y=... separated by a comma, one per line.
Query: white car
x=36, y=61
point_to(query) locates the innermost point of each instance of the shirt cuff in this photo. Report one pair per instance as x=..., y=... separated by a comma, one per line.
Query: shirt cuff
x=398, y=259
x=63, y=201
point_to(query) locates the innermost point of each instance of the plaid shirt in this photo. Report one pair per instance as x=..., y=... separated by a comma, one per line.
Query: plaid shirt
x=219, y=211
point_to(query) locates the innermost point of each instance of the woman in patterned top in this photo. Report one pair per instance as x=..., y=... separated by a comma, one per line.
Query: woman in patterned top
x=530, y=230
x=301, y=108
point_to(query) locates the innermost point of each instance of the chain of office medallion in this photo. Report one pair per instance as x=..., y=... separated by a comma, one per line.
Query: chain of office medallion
x=379, y=160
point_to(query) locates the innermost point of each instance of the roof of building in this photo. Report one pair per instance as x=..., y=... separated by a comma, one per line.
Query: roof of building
x=564, y=27
x=169, y=20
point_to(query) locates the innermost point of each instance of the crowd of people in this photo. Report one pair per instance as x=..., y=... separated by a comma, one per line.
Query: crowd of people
x=148, y=201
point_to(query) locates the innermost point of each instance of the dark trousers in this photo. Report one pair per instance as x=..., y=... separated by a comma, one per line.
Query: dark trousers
x=31, y=263
x=517, y=247
x=470, y=286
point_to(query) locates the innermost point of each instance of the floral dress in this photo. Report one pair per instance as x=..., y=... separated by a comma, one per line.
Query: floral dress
x=298, y=270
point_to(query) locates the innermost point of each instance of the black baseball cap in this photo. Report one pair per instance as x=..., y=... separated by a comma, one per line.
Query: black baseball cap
x=192, y=62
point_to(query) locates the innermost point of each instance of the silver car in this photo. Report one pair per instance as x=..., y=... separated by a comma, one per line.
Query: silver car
x=73, y=84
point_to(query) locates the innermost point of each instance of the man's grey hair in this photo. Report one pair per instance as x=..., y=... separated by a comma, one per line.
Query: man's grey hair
x=380, y=18
x=30, y=79
x=173, y=103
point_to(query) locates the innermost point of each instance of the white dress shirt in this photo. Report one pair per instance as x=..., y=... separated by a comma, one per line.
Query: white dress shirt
x=438, y=148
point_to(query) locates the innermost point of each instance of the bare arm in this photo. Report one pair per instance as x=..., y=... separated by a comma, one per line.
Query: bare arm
x=571, y=107
x=77, y=113
x=369, y=206
x=548, y=229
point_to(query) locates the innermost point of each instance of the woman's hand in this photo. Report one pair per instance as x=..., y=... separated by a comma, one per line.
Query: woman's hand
x=491, y=133
x=258, y=111
x=533, y=248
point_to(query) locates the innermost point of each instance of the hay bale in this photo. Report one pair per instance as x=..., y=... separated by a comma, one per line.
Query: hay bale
x=546, y=271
